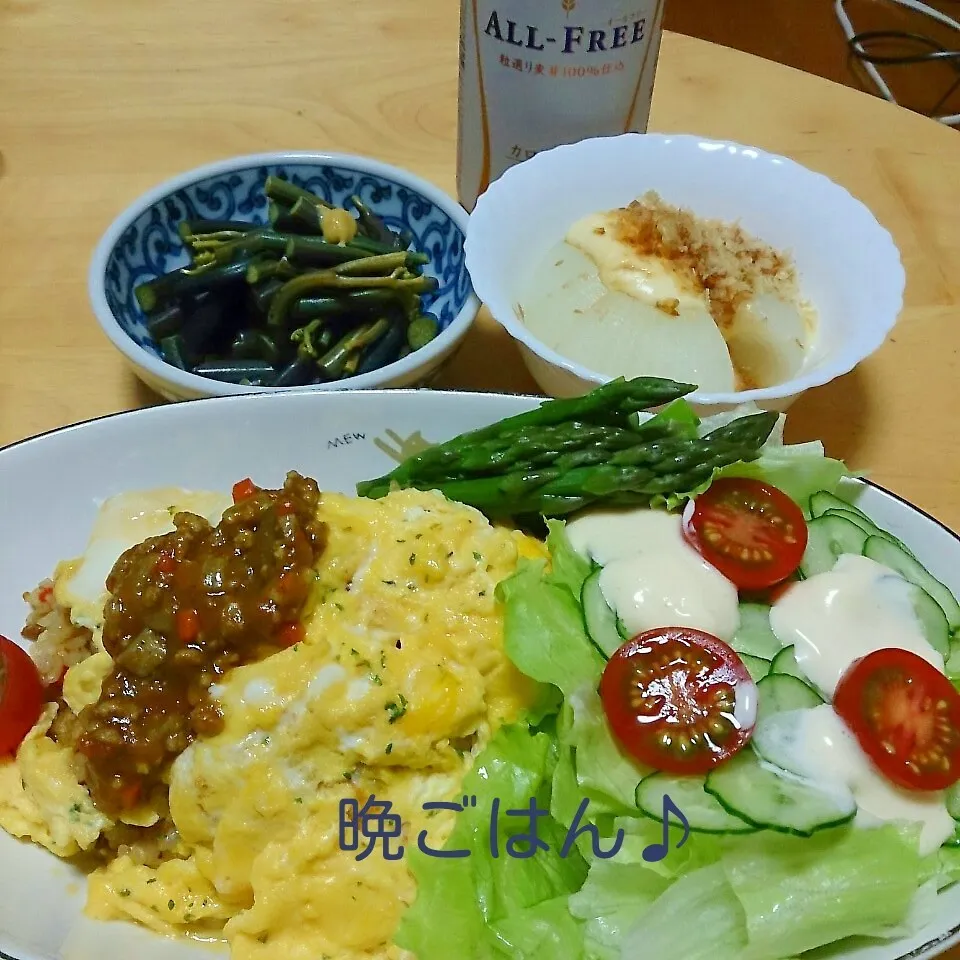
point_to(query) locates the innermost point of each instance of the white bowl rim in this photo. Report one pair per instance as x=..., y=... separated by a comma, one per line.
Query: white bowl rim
x=385, y=393
x=193, y=383
x=895, y=277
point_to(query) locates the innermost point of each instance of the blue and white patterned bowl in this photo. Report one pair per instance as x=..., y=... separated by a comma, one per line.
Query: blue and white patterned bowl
x=143, y=243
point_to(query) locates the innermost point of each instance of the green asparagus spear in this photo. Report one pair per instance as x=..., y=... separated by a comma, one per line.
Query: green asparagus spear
x=610, y=404
x=682, y=465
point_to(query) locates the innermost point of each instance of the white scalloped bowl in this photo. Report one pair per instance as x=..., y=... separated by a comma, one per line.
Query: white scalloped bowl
x=848, y=265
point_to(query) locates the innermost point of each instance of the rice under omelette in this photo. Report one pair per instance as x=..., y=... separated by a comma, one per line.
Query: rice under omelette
x=398, y=681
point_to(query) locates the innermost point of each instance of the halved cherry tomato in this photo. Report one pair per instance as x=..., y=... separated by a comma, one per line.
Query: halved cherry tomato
x=243, y=489
x=671, y=699
x=21, y=695
x=906, y=715
x=753, y=533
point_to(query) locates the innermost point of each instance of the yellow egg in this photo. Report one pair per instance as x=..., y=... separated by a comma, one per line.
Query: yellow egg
x=400, y=680
x=123, y=521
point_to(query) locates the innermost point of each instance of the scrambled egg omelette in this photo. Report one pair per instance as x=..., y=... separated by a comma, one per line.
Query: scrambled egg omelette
x=398, y=680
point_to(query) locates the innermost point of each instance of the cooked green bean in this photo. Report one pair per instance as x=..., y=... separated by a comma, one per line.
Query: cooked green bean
x=204, y=326
x=289, y=193
x=315, y=251
x=309, y=307
x=372, y=226
x=328, y=280
x=165, y=322
x=385, y=350
x=262, y=293
x=156, y=293
x=422, y=330
x=250, y=244
x=282, y=219
x=252, y=344
x=384, y=263
x=332, y=362
x=371, y=246
x=173, y=351
x=266, y=268
x=307, y=214
x=188, y=228
x=299, y=371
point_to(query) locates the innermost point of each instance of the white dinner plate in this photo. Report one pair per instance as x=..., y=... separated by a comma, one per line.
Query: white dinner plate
x=51, y=487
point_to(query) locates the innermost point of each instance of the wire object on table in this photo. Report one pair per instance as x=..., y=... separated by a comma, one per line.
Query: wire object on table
x=934, y=52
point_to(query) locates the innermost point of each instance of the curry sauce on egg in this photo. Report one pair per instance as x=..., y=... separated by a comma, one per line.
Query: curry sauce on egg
x=394, y=678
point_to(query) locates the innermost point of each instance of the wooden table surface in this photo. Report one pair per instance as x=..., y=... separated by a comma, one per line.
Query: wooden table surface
x=101, y=100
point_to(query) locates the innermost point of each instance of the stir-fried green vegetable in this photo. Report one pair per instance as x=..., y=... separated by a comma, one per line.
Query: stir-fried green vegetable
x=318, y=294
x=567, y=454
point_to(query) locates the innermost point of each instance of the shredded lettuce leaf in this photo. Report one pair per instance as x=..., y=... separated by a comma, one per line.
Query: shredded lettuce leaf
x=486, y=901
x=801, y=893
x=567, y=568
x=544, y=634
x=680, y=412
x=798, y=469
x=697, y=918
x=611, y=901
x=542, y=932
x=604, y=773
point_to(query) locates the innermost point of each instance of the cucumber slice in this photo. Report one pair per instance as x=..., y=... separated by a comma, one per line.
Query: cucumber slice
x=775, y=741
x=786, y=662
x=933, y=621
x=602, y=624
x=754, y=635
x=898, y=560
x=827, y=539
x=773, y=801
x=757, y=667
x=953, y=841
x=824, y=503
x=703, y=812
x=953, y=801
x=867, y=526
x=823, y=500
x=780, y=692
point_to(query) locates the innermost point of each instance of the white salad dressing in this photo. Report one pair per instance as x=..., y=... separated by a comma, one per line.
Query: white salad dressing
x=651, y=576
x=835, y=618
x=815, y=744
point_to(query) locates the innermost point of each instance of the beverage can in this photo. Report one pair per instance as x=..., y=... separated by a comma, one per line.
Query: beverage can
x=538, y=73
